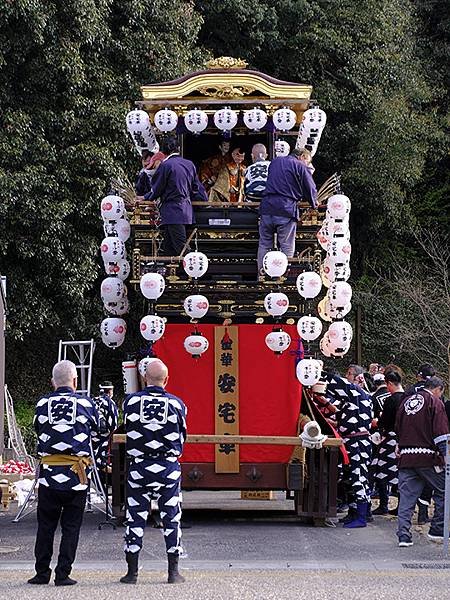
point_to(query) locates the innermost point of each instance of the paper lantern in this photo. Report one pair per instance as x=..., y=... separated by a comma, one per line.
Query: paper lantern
x=255, y=119
x=137, y=121
x=225, y=119
x=339, y=249
x=152, y=285
x=338, y=206
x=281, y=148
x=152, y=327
x=278, y=341
x=120, y=228
x=112, y=208
x=308, y=371
x=166, y=120
x=284, y=119
x=324, y=346
x=340, y=334
x=339, y=293
x=113, y=331
x=196, y=306
x=309, y=328
x=331, y=272
x=275, y=263
x=121, y=269
x=276, y=303
x=323, y=237
x=323, y=308
x=340, y=352
x=339, y=312
x=143, y=364
x=195, y=264
x=117, y=308
x=196, y=344
x=314, y=118
x=196, y=121
x=112, y=249
x=309, y=284
x=111, y=289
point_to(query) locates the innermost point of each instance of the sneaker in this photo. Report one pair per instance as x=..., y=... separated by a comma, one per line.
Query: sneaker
x=404, y=542
x=436, y=537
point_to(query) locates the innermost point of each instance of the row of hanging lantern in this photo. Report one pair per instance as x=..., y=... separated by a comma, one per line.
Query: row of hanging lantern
x=113, y=290
x=310, y=130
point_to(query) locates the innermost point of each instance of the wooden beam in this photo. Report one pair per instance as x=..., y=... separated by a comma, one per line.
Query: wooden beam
x=271, y=440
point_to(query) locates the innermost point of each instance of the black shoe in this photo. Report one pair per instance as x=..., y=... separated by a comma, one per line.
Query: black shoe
x=404, y=542
x=351, y=516
x=393, y=512
x=422, y=516
x=381, y=510
x=132, y=559
x=174, y=575
x=66, y=581
x=41, y=579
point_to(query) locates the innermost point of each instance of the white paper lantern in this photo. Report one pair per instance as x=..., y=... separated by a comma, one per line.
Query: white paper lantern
x=225, y=119
x=284, y=119
x=196, y=344
x=255, y=119
x=120, y=228
x=195, y=264
x=113, y=331
x=309, y=371
x=196, y=121
x=275, y=263
x=281, y=148
x=121, y=269
x=276, y=303
x=143, y=364
x=323, y=237
x=152, y=327
x=338, y=206
x=340, y=334
x=111, y=289
x=152, y=285
x=196, y=306
x=117, y=308
x=339, y=312
x=331, y=272
x=323, y=308
x=278, y=341
x=340, y=352
x=309, y=328
x=166, y=120
x=112, y=208
x=112, y=249
x=314, y=118
x=137, y=121
x=309, y=284
x=324, y=346
x=339, y=249
x=339, y=293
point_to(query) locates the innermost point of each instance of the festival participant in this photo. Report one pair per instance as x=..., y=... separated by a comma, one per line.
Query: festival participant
x=210, y=168
x=288, y=182
x=155, y=425
x=229, y=185
x=150, y=163
x=64, y=423
x=176, y=184
x=256, y=174
x=107, y=410
x=422, y=428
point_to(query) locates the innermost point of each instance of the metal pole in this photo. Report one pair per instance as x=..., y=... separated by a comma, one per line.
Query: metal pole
x=2, y=362
x=447, y=497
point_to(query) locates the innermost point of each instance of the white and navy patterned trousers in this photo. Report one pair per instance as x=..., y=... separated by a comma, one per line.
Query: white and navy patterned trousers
x=158, y=480
x=359, y=452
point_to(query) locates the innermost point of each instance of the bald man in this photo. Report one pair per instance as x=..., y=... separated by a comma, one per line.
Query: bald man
x=256, y=174
x=155, y=425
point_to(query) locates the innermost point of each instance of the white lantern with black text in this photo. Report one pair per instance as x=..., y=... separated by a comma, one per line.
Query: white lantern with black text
x=152, y=285
x=137, y=121
x=225, y=119
x=255, y=119
x=275, y=263
x=309, y=328
x=339, y=293
x=284, y=119
x=314, y=118
x=119, y=308
x=196, y=344
x=113, y=331
x=195, y=264
x=152, y=327
x=196, y=121
x=339, y=249
x=196, y=306
x=309, y=284
x=276, y=304
x=338, y=206
x=339, y=312
x=166, y=120
x=112, y=249
x=324, y=346
x=281, y=148
x=112, y=208
x=309, y=371
x=121, y=269
x=121, y=228
x=323, y=308
x=340, y=334
x=111, y=289
x=323, y=236
x=278, y=341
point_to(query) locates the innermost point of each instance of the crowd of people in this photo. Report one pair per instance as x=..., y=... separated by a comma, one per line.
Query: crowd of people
x=395, y=442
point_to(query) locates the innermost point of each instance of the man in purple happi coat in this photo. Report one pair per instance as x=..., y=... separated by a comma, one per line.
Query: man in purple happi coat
x=289, y=181
x=176, y=185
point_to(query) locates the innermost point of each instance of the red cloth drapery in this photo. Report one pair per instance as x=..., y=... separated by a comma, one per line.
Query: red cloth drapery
x=269, y=393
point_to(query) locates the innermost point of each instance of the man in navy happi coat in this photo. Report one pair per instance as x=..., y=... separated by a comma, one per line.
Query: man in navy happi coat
x=176, y=184
x=289, y=181
x=155, y=425
x=108, y=413
x=64, y=423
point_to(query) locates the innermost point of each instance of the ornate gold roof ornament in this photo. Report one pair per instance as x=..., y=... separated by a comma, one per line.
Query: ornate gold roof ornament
x=226, y=91
x=226, y=62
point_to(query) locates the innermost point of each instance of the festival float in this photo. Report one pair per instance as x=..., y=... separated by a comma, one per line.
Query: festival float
x=243, y=350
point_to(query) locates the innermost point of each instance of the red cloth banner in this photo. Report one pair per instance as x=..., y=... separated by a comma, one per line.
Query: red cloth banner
x=270, y=394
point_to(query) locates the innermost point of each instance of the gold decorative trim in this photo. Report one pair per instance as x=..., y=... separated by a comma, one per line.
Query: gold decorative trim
x=226, y=91
x=226, y=62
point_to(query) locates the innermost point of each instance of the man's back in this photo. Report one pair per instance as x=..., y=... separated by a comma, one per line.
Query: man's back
x=256, y=180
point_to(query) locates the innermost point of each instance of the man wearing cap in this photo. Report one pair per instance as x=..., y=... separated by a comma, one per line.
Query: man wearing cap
x=155, y=425
x=64, y=422
x=422, y=428
x=107, y=410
